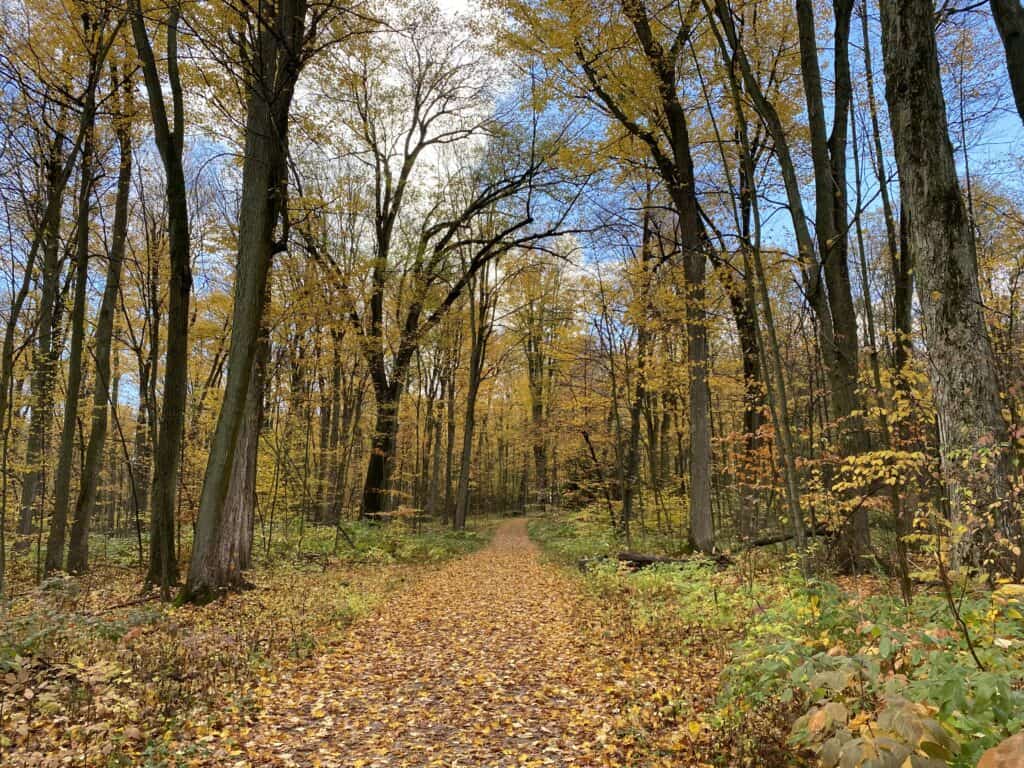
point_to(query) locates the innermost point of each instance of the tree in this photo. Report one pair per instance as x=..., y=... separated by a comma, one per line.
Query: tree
x=169, y=135
x=482, y=296
x=95, y=33
x=406, y=96
x=85, y=505
x=277, y=44
x=672, y=156
x=1009, y=17
x=941, y=238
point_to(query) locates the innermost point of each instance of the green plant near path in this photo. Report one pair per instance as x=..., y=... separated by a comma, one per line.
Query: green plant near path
x=853, y=673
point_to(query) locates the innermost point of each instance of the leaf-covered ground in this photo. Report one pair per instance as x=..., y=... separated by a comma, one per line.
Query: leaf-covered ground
x=492, y=659
x=495, y=659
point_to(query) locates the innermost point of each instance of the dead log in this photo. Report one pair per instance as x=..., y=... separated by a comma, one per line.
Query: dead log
x=636, y=560
x=820, y=530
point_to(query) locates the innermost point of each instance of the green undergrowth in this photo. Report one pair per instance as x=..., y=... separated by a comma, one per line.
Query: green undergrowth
x=851, y=675
x=359, y=542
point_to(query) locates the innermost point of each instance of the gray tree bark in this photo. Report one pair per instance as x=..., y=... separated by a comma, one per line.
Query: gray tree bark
x=941, y=239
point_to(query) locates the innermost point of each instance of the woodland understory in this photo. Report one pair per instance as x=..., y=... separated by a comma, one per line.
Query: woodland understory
x=512, y=383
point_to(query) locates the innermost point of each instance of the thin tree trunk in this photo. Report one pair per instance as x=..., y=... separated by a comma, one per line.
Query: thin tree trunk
x=85, y=505
x=62, y=478
x=169, y=136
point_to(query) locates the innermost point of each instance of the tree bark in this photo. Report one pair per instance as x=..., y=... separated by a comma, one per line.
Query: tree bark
x=278, y=53
x=169, y=135
x=44, y=363
x=941, y=239
x=382, y=451
x=54, y=560
x=1009, y=17
x=85, y=505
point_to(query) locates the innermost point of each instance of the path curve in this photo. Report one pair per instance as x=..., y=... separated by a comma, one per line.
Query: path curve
x=480, y=664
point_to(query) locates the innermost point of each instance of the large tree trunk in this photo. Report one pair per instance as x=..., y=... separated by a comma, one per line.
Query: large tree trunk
x=1009, y=17
x=85, y=505
x=976, y=460
x=62, y=478
x=382, y=451
x=235, y=540
x=277, y=53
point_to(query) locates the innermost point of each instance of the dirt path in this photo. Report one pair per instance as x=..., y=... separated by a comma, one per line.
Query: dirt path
x=481, y=664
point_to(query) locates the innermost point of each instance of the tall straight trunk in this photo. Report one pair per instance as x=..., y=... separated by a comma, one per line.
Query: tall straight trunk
x=434, y=485
x=323, y=452
x=677, y=172
x=465, y=460
x=537, y=372
x=449, y=457
x=900, y=261
x=169, y=135
x=44, y=362
x=142, y=451
x=62, y=477
x=277, y=53
x=481, y=323
x=824, y=257
x=85, y=505
x=1009, y=17
x=329, y=511
x=961, y=362
x=422, y=484
x=829, y=161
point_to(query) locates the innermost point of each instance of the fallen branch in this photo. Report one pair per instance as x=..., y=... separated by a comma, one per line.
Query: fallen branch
x=637, y=560
x=777, y=538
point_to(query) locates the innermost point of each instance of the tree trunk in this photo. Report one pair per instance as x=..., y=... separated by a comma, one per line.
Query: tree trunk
x=465, y=461
x=449, y=458
x=976, y=460
x=481, y=307
x=277, y=50
x=169, y=135
x=236, y=531
x=85, y=505
x=1009, y=17
x=382, y=451
x=62, y=478
x=434, y=485
x=44, y=363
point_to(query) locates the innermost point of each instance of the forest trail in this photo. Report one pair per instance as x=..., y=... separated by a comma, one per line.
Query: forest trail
x=479, y=664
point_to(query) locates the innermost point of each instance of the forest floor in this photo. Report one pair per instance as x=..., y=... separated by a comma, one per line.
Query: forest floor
x=494, y=659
